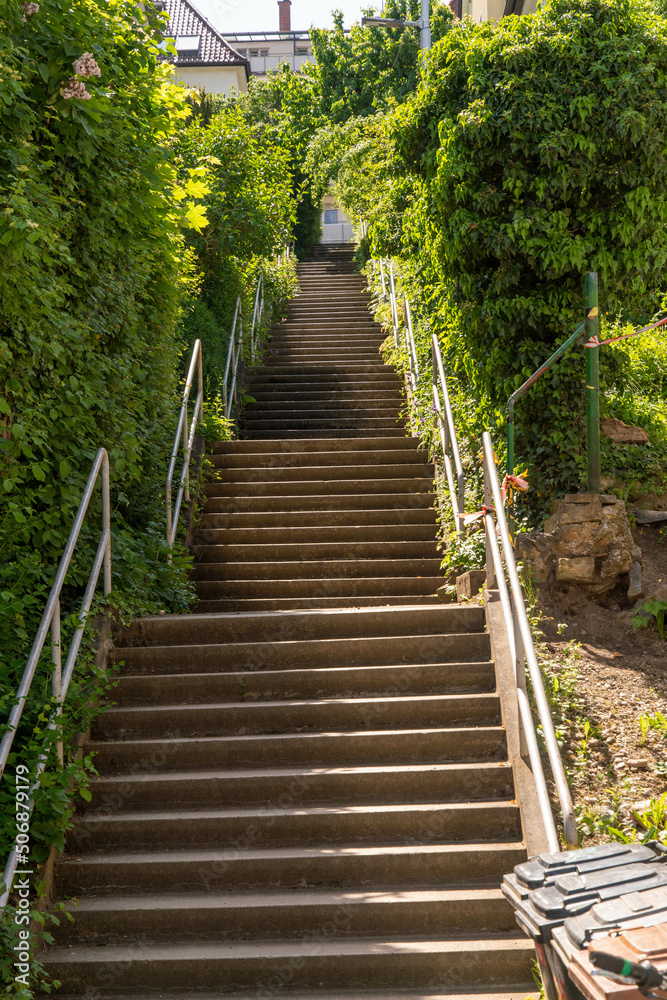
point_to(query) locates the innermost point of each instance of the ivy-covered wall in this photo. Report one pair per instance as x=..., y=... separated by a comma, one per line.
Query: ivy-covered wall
x=532, y=151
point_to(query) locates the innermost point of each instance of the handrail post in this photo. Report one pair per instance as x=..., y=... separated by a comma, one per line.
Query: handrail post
x=106, y=521
x=57, y=679
x=592, y=384
x=200, y=381
x=185, y=450
x=394, y=310
x=509, y=467
x=488, y=504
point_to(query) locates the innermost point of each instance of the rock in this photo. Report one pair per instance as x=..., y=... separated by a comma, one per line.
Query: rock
x=580, y=569
x=445, y=594
x=649, y=516
x=639, y=764
x=587, y=544
x=622, y=433
x=635, y=585
x=470, y=583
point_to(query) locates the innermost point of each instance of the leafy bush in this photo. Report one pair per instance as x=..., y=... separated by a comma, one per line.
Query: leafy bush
x=94, y=267
x=247, y=193
x=371, y=68
x=531, y=153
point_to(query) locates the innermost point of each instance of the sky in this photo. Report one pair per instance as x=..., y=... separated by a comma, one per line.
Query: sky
x=262, y=15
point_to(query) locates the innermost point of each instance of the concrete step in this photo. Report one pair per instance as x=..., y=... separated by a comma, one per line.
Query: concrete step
x=347, y=963
x=350, y=456
x=287, y=915
x=325, y=444
x=246, y=867
x=377, y=747
x=316, y=431
x=221, y=605
x=295, y=487
x=303, y=787
x=342, y=396
x=520, y=991
x=327, y=519
x=456, y=822
x=330, y=370
x=317, y=569
x=296, y=427
x=294, y=377
x=264, y=552
x=274, y=655
x=324, y=591
x=308, y=715
x=398, y=533
x=286, y=467
x=360, y=626
x=184, y=689
x=324, y=502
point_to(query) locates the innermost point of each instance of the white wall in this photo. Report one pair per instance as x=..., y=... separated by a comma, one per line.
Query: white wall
x=216, y=79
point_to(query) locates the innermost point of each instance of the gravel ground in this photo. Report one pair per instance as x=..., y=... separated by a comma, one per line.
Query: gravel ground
x=609, y=675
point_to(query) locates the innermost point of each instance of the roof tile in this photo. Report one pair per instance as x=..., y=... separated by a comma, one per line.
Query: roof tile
x=184, y=19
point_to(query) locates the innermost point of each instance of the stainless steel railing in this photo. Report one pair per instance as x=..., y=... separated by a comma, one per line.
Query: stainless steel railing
x=234, y=356
x=185, y=438
x=446, y=429
x=257, y=314
x=60, y=679
x=522, y=652
x=447, y=434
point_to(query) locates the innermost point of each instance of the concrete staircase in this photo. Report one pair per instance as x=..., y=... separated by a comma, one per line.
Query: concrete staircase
x=304, y=786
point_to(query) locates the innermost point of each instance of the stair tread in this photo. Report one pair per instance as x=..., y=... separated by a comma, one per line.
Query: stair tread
x=288, y=772
x=176, y=950
x=521, y=991
x=281, y=704
x=277, y=898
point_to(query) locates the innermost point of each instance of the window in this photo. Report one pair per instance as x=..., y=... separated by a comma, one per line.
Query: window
x=302, y=52
x=263, y=52
x=187, y=43
x=330, y=216
x=242, y=52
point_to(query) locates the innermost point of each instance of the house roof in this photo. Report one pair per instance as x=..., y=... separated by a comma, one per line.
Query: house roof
x=186, y=21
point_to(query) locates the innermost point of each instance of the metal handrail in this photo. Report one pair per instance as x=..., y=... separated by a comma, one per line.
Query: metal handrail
x=447, y=431
x=257, y=315
x=51, y=622
x=185, y=436
x=441, y=401
x=233, y=354
x=522, y=650
x=392, y=300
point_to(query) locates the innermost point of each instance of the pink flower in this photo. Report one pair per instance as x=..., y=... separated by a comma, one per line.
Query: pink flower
x=29, y=9
x=85, y=65
x=75, y=90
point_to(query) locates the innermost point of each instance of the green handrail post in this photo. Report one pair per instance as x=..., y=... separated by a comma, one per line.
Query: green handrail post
x=510, y=435
x=592, y=384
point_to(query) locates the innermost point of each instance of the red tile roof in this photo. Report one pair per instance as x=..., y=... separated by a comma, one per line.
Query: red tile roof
x=184, y=19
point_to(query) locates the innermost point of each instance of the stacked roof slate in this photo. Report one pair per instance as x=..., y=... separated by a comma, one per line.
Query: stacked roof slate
x=184, y=20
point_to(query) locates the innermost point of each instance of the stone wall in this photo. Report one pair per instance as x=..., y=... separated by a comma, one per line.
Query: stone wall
x=587, y=543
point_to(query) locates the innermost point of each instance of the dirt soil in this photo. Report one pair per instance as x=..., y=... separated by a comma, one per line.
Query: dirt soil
x=610, y=674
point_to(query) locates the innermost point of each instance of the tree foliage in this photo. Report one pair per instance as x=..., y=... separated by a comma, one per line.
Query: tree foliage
x=369, y=68
x=532, y=151
x=244, y=180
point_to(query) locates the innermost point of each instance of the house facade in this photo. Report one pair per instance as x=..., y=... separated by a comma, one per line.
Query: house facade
x=266, y=50
x=204, y=58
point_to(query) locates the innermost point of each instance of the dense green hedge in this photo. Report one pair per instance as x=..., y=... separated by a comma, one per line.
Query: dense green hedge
x=532, y=151
x=109, y=265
